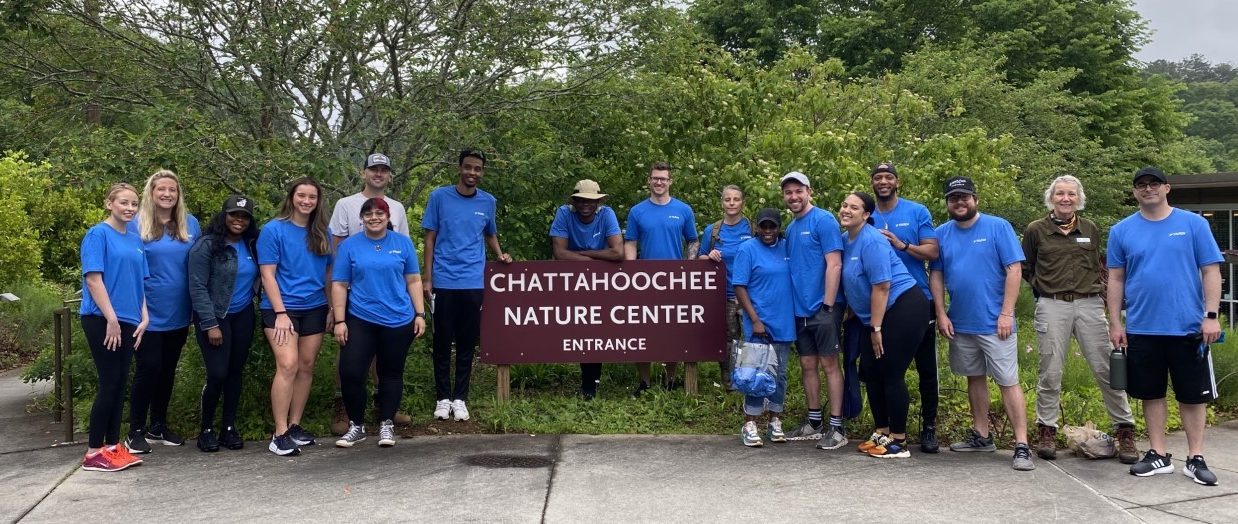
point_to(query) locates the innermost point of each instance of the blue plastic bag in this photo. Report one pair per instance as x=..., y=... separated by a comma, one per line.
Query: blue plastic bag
x=755, y=367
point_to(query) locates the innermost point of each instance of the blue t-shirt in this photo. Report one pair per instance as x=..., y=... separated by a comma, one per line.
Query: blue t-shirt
x=765, y=272
x=973, y=262
x=121, y=260
x=729, y=240
x=462, y=224
x=911, y=223
x=869, y=260
x=300, y=274
x=1162, y=259
x=167, y=289
x=809, y=239
x=246, y=272
x=661, y=229
x=375, y=271
x=581, y=236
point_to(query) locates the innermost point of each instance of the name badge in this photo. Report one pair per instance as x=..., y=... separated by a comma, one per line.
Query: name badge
x=1083, y=240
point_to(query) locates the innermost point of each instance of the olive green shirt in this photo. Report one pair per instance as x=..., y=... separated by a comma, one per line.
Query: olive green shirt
x=1062, y=263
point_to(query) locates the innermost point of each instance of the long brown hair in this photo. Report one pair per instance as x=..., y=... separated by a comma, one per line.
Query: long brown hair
x=316, y=238
x=148, y=226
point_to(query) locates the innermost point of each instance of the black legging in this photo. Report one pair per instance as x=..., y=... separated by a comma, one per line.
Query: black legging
x=926, y=369
x=902, y=329
x=457, y=316
x=112, y=367
x=370, y=342
x=154, y=376
x=224, y=366
x=590, y=373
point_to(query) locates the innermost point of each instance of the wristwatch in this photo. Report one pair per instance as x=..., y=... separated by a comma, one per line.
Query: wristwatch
x=420, y=314
x=1212, y=315
x=876, y=329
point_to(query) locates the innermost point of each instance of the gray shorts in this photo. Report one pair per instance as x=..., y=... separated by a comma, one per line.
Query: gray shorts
x=818, y=335
x=977, y=355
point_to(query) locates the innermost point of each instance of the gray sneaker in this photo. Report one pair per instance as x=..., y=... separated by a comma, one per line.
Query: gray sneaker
x=1022, y=458
x=805, y=432
x=386, y=434
x=832, y=439
x=355, y=434
x=974, y=442
x=775, y=431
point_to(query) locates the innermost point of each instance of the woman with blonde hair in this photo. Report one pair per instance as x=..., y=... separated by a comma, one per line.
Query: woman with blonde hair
x=167, y=231
x=113, y=319
x=294, y=261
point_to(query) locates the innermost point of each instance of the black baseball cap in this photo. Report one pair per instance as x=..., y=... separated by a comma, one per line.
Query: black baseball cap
x=884, y=167
x=236, y=203
x=377, y=159
x=769, y=214
x=1149, y=171
x=959, y=184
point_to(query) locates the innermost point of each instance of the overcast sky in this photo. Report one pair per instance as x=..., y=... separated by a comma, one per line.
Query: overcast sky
x=1183, y=27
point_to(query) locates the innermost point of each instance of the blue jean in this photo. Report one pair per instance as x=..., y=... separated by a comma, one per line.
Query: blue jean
x=754, y=406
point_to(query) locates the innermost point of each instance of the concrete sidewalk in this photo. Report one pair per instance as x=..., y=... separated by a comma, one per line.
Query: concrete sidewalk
x=614, y=478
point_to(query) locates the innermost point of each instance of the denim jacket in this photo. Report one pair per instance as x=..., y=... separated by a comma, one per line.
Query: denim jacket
x=211, y=280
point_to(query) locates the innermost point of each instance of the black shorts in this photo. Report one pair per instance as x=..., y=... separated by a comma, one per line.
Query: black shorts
x=818, y=335
x=1154, y=359
x=305, y=322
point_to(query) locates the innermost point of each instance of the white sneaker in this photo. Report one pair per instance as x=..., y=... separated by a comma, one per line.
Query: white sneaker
x=459, y=410
x=386, y=434
x=442, y=409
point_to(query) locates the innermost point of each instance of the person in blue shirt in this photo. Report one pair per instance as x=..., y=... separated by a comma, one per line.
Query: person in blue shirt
x=379, y=310
x=980, y=265
x=762, y=281
x=223, y=278
x=114, y=318
x=815, y=247
x=887, y=303
x=720, y=242
x=584, y=229
x=1164, y=264
x=294, y=263
x=459, y=225
x=909, y=228
x=657, y=229
x=167, y=231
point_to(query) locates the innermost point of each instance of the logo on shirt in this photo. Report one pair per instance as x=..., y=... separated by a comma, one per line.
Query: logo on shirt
x=979, y=240
x=395, y=252
x=599, y=233
x=673, y=217
x=1178, y=234
x=480, y=214
x=805, y=232
x=902, y=224
x=853, y=259
x=745, y=237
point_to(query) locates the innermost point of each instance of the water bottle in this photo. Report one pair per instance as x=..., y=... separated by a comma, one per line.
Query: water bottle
x=1117, y=369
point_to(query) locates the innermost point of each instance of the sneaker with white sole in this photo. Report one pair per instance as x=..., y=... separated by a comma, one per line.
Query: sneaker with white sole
x=442, y=409
x=1198, y=471
x=160, y=434
x=459, y=410
x=1153, y=463
x=974, y=442
x=832, y=438
x=1022, y=458
x=750, y=436
x=355, y=434
x=775, y=433
x=386, y=434
x=136, y=442
x=805, y=431
x=283, y=445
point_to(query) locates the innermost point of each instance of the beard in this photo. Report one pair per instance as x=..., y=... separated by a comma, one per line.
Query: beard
x=970, y=214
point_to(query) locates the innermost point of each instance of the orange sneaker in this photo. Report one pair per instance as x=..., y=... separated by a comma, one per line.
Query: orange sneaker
x=872, y=442
x=99, y=461
x=122, y=456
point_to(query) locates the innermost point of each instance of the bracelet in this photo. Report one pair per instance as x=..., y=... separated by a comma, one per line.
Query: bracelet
x=1006, y=315
x=338, y=322
x=905, y=246
x=281, y=312
x=419, y=315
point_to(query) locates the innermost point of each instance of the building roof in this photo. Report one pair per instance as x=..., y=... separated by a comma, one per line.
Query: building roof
x=1203, y=181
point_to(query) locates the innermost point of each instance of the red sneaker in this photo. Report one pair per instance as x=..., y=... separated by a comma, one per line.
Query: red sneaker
x=99, y=461
x=121, y=457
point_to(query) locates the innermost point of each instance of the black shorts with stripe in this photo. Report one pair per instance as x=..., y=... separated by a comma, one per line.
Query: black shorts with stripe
x=1153, y=360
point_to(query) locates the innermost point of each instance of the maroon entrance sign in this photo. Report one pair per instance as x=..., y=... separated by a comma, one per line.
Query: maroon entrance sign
x=594, y=311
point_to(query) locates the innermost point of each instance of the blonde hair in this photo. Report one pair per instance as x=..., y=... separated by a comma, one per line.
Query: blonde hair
x=1083, y=197
x=148, y=227
x=116, y=188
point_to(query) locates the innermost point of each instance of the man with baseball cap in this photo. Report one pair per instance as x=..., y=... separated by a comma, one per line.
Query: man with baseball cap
x=584, y=229
x=909, y=228
x=1164, y=264
x=980, y=265
x=814, y=244
x=345, y=222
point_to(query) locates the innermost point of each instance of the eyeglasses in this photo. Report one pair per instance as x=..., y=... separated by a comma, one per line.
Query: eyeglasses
x=1155, y=184
x=659, y=179
x=374, y=214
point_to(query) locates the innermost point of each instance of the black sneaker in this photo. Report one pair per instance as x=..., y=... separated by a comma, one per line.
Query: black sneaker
x=283, y=445
x=300, y=436
x=1198, y=471
x=928, y=439
x=1154, y=463
x=231, y=439
x=136, y=442
x=160, y=434
x=974, y=442
x=207, y=441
